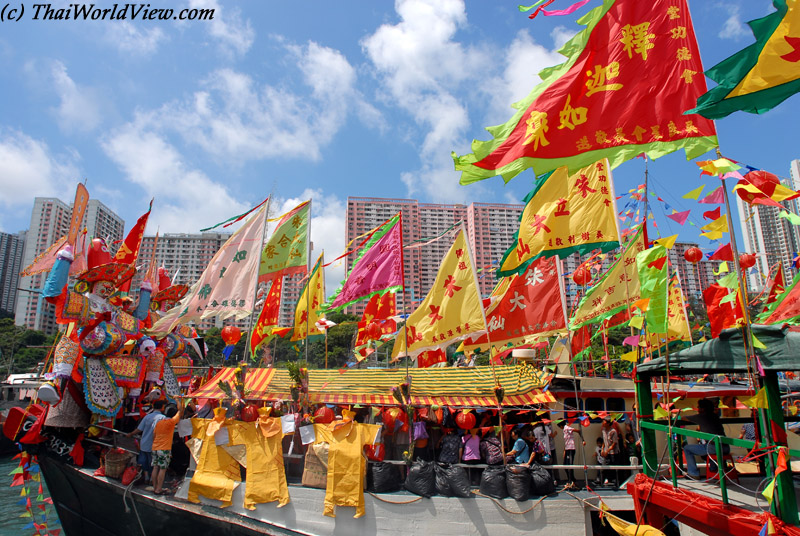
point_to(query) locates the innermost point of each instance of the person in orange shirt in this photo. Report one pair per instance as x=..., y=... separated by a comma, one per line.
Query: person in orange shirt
x=162, y=445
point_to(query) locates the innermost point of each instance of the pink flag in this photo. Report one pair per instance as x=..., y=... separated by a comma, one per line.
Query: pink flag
x=574, y=7
x=679, y=217
x=378, y=269
x=228, y=285
x=633, y=340
x=714, y=198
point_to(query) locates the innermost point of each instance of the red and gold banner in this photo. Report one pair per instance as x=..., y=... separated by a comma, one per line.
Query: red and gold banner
x=532, y=305
x=378, y=311
x=269, y=316
x=630, y=76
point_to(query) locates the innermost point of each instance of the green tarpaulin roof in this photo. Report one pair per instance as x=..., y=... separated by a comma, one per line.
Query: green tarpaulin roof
x=727, y=353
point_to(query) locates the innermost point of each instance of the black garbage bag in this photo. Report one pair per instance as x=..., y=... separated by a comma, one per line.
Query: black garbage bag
x=383, y=477
x=518, y=482
x=421, y=479
x=458, y=478
x=442, y=482
x=493, y=482
x=541, y=481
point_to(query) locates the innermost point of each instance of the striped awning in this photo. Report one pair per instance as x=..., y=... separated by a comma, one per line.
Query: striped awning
x=467, y=386
x=256, y=382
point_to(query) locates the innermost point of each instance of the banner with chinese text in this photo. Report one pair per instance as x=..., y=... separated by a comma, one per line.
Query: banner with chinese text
x=452, y=309
x=629, y=76
x=286, y=251
x=565, y=214
x=227, y=287
x=615, y=291
x=307, y=313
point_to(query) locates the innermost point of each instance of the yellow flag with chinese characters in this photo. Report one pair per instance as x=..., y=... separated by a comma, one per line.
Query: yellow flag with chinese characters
x=452, y=309
x=307, y=313
x=615, y=291
x=565, y=214
x=677, y=323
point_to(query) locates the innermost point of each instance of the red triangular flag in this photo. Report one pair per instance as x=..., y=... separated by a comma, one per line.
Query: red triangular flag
x=723, y=253
x=713, y=214
x=658, y=264
x=781, y=466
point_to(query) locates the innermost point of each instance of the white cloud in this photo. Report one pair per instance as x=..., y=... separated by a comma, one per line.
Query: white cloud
x=524, y=58
x=234, y=34
x=733, y=27
x=560, y=36
x=79, y=107
x=420, y=66
x=28, y=169
x=236, y=119
x=327, y=230
x=132, y=39
x=188, y=199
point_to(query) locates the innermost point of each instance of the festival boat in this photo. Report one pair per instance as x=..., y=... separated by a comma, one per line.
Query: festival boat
x=117, y=355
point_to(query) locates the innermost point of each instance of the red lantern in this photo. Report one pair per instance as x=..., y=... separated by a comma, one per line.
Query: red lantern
x=693, y=255
x=373, y=330
x=465, y=421
x=747, y=260
x=231, y=335
x=324, y=415
x=250, y=413
x=581, y=276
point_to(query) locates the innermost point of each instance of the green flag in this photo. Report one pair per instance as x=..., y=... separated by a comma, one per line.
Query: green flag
x=286, y=252
x=653, y=285
x=761, y=76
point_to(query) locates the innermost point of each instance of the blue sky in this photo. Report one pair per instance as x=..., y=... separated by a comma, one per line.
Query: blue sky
x=317, y=99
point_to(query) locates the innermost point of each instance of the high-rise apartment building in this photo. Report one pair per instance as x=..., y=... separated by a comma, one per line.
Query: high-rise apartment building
x=50, y=221
x=12, y=248
x=772, y=239
x=490, y=231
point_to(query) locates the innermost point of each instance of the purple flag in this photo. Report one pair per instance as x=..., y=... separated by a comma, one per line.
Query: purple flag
x=377, y=269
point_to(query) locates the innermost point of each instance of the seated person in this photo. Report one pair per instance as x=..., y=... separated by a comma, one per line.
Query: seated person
x=520, y=452
x=709, y=422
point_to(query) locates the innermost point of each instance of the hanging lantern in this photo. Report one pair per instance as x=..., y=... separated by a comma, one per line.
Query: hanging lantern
x=747, y=260
x=693, y=255
x=581, y=276
x=231, y=335
x=373, y=330
x=324, y=415
x=465, y=420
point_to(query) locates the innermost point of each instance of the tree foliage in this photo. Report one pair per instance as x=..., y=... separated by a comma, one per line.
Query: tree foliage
x=20, y=347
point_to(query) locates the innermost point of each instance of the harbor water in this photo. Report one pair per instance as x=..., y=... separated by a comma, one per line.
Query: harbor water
x=14, y=518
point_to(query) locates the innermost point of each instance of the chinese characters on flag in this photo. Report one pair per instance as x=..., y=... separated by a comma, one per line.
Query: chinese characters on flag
x=451, y=310
x=615, y=291
x=286, y=252
x=622, y=94
x=227, y=287
x=307, y=313
x=565, y=214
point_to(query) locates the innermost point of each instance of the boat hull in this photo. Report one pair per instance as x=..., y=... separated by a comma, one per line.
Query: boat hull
x=90, y=505
x=94, y=505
